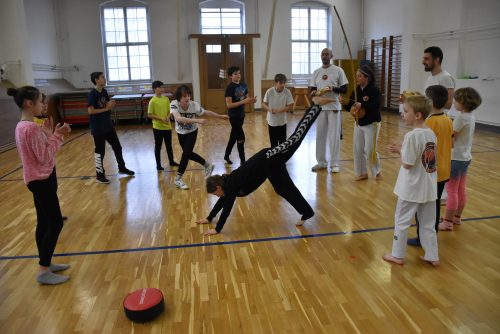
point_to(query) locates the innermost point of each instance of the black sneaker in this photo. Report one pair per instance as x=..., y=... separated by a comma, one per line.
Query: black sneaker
x=228, y=161
x=159, y=168
x=415, y=242
x=101, y=178
x=126, y=171
x=174, y=164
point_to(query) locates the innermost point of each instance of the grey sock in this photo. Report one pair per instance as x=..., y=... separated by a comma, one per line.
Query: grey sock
x=50, y=278
x=58, y=267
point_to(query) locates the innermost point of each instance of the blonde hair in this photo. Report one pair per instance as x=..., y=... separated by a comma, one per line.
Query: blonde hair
x=468, y=97
x=420, y=104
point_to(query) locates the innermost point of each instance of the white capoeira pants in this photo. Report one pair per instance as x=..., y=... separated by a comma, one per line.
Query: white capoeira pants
x=328, y=129
x=365, y=149
x=404, y=215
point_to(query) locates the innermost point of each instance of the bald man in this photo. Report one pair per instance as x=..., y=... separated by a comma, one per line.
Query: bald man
x=329, y=125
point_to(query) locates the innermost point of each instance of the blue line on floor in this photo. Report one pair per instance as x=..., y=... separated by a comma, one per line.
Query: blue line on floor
x=207, y=244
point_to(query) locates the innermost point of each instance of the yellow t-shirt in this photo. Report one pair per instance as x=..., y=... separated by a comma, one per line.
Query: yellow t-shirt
x=160, y=106
x=38, y=121
x=442, y=126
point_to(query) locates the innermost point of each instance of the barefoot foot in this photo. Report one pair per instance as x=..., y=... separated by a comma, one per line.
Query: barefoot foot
x=434, y=263
x=390, y=258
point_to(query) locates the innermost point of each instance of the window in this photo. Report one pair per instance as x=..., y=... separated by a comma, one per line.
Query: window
x=126, y=42
x=221, y=17
x=310, y=34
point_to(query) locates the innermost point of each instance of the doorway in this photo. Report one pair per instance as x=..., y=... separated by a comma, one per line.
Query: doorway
x=216, y=54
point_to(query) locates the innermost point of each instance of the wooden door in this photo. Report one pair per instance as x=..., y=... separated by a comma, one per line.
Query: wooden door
x=216, y=54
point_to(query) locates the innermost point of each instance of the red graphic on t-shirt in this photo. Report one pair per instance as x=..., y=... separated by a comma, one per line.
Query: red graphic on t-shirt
x=429, y=157
x=324, y=77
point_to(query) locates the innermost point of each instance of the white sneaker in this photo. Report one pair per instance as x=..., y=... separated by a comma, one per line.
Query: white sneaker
x=209, y=169
x=317, y=168
x=335, y=169
x=181, y=185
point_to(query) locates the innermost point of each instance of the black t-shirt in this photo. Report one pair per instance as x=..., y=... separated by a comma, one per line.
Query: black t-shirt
x=237, y=92
x=99, y=123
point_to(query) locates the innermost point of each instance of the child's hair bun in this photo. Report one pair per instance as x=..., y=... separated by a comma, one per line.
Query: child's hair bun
x=12, y=91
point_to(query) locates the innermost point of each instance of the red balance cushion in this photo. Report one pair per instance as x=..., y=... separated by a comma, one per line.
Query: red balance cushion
x=143, y=304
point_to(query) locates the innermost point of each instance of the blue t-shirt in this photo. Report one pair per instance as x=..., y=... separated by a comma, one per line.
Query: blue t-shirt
x=237, y=92
x=99, y=123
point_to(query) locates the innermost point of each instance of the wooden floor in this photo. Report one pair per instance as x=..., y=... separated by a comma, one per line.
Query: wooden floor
x=264, y=275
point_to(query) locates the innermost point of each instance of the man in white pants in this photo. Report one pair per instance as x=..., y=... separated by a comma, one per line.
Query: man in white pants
x=329, y=124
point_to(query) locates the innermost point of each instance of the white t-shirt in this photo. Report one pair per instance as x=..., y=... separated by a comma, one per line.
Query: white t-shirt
x=418, y=184
x=464, y=123
x=274, y=100
x=194, y=109
x=332, y=76
x=445, y=79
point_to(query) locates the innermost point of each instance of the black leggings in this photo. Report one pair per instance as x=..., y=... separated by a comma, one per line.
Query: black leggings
x=276, y=157
x=236, y=135
x=187, y=142
x=440, y=188
x=48, y=214
x=100, y=148
x=277, y=134
x=160, y=137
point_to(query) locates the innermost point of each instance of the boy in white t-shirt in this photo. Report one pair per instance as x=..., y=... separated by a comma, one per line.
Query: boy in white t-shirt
x=416, y=186
x=277, y=101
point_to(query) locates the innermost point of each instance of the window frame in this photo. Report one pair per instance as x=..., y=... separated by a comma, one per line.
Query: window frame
x=309, y=6
x=123, y=5
x=223, y=4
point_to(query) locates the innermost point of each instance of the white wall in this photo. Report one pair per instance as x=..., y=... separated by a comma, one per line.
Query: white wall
x=43, y=36
x=464, y=54
x=14, y=44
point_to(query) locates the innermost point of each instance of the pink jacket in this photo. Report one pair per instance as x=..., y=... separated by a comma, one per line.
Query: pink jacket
x=36, y=150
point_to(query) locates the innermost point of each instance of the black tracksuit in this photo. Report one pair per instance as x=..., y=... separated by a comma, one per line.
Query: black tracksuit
x=268, y=163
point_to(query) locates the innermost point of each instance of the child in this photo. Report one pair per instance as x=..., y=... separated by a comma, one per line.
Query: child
x=277, y=101
x=442, y=127
x=37, y=147
x=416, y=183
x=268, y=163
x=236, y=98
x=159, y=112
x=102, y=128
x=466, y=100
x=40, y=120
x=184, y=111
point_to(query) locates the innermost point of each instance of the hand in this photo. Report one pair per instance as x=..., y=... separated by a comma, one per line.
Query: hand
x=394, y=148
x=250, y=100
x=357, y=105
x=341, y=99
x=202, y=221
x=48, y=126
x=224, y=116
x=210, y=232
x=201, y=121
x=110, y=104
x=63, y=130
x=319, y=100
x=165, y=120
